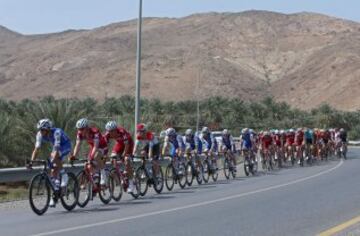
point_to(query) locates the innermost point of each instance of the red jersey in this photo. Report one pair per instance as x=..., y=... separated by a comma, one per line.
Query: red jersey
x=277, y=139
x=94, y=137
x=290, y=138
x=266, y=141
x=122, y=136
x=299, y=137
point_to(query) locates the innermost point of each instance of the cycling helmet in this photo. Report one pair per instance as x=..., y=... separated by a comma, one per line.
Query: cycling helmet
x=225, y=132
x=276, y=132
x=282, y=131
x=82, y=123
x=251, y=131
x=140, y=127
x=44, y=124
x=342, y=130
x=170, y=132
x=162, y=134
x=299, y=129
x=266, y=133
x=111, y=125
x=205, y=130
x=291, y=130
x=188, y=132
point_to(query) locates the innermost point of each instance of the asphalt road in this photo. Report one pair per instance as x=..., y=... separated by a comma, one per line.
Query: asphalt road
x=292, y=201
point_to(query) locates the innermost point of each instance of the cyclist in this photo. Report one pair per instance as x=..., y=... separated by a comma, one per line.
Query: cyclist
x=266, y=145
x=208, y=144
x=343, y=139
x=227, y=145
x=290, y=140
x=61, y=147
x=147, y=146
x=308, y=141
x=123, y=147
x=299, y=139
x=191, y=142
x=98, y=147
x=173, y=144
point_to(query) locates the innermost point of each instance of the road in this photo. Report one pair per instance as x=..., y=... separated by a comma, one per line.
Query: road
x=292, y=201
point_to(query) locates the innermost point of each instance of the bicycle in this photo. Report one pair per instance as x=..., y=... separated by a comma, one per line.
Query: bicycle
x=42, y=185
x=267, y=164
x=120, y=181
x=146, y=177
x=229, y=165
x=175, y=173
x=90, y=185
x=250, y=163
x=210, y=168
x=194, y=170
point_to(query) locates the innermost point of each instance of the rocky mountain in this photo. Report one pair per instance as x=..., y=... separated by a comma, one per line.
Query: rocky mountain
x=304, y=59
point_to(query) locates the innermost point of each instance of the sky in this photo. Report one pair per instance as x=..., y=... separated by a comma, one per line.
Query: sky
x=45, y=16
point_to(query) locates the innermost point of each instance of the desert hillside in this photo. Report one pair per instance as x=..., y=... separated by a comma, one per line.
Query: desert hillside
x=304, y=59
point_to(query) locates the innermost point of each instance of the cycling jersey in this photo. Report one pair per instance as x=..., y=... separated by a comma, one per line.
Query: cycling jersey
x=122, y=138
x=208, y=142
x=277, y=140
x=59, y=140
x=94, y=139
x=176, y=143
x=190, y=142
x=227, y=142
x=290, y=138
x=309, y=135
x=343, y=136
x=266, y=141
x=147, y=143
x=299, y=138
x=246, y=141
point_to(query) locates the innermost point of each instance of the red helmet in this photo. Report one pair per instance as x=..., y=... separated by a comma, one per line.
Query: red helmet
x=140, y=127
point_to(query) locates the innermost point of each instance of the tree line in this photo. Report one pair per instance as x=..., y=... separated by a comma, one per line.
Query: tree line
x=18, y=119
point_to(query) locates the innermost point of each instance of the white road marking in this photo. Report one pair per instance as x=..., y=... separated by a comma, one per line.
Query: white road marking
x=80, y=227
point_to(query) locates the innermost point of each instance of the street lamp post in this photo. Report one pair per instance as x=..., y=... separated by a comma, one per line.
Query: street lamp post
x=138, y=67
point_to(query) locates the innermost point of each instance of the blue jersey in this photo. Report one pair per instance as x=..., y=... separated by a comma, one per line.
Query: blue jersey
x=208, y=141
x=227, y=141
x=246, y=140
x=59, y=140
x=309, y=135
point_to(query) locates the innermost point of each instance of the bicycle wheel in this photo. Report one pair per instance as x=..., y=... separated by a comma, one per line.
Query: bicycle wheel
x=85, y=189
x=190, y=171
x=233, y=171
x=159, y=182
x=141, y=173
x=215, y=174
x=136, y=192
x=226, y=168
x=206, y=171
x=116, y=186
x=182, y=175
x=39, y=194
x=105, y=192
x=199, y=173
x=70, y=194
x=169, y=177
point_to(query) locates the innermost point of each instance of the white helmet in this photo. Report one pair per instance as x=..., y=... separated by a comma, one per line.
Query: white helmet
x=170, y=131
x=205, y=130
x=44, y=124
x=282, y=131
x=276, y=131
x=162, y=134
x=225, y=132
x=82, y=123
x=111, y=125
x=291, y=130
x=188, y=132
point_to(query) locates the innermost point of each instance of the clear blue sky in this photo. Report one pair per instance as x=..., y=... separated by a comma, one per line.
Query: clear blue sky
x=42, y=16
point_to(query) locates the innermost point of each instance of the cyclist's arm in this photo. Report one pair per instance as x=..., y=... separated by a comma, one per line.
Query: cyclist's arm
x=77, y=147
x=96, y=146
x=37, y=146
x=151, y=144
x=57, y=138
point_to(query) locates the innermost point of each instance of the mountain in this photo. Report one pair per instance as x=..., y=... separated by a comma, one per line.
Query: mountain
x=305, y=59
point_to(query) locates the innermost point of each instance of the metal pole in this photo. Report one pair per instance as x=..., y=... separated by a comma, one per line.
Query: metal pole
x=138, y=67
x=198, y=102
